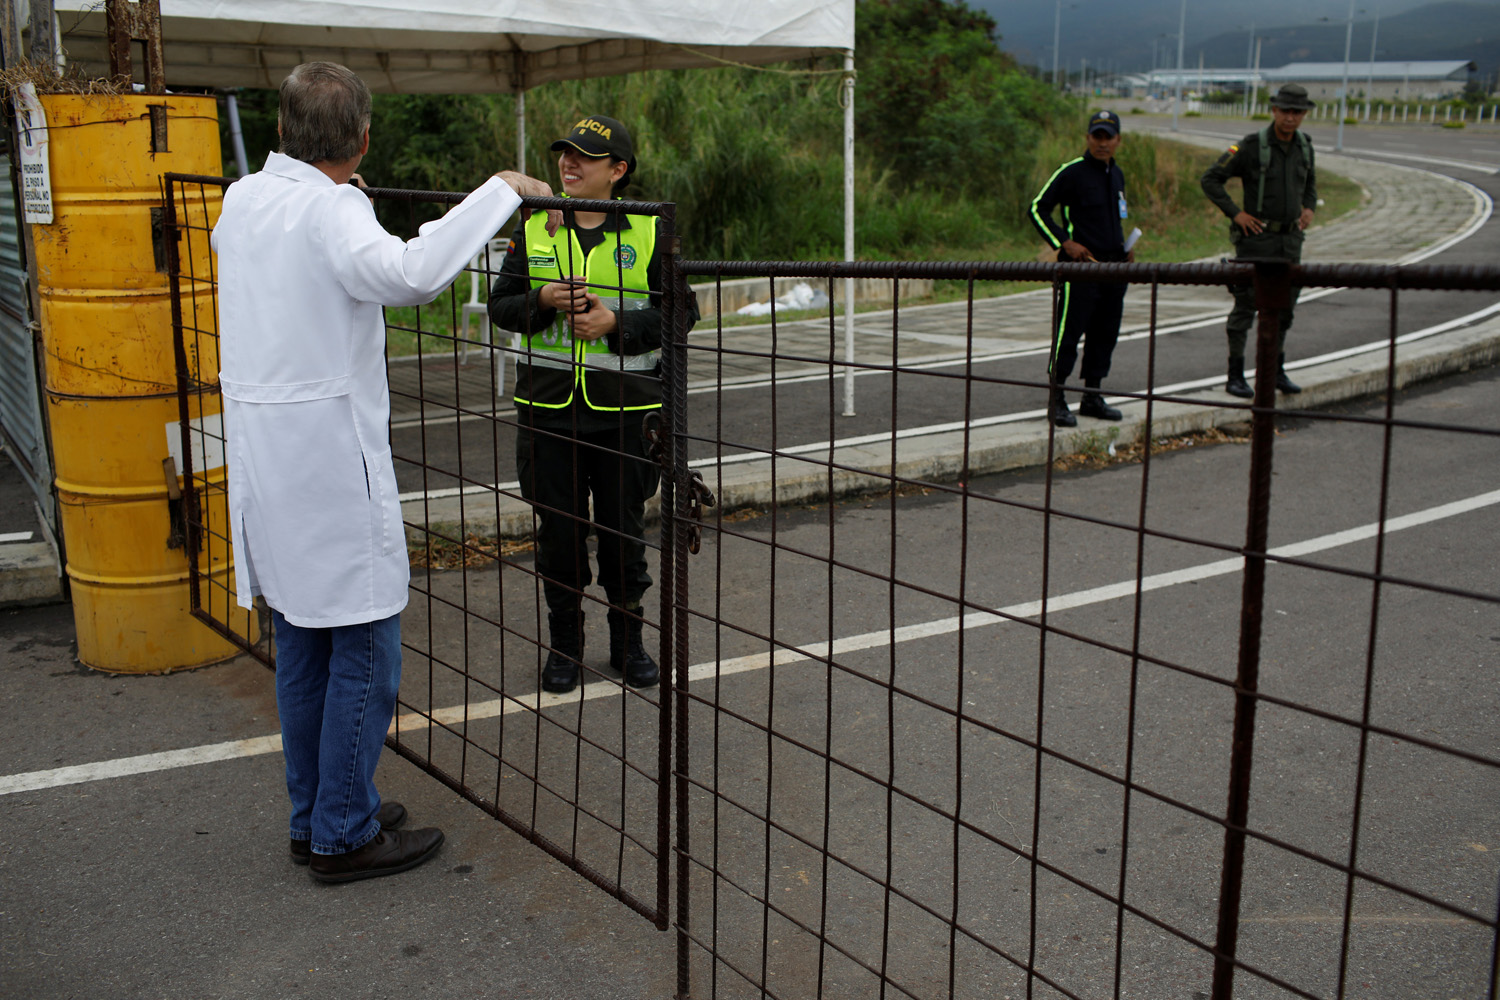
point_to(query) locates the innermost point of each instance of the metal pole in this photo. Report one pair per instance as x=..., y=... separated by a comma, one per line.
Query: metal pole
x=1255, y=78
x=236, y=136
x=849, y=231
x=520, y=131
x=1370, y=77
x=1338, y=146
x=1056, y=37
x=1177, y=98
x=1272, y=294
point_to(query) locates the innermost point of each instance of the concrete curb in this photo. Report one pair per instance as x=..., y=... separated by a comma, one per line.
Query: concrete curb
x=939, y=458
x=29, y=574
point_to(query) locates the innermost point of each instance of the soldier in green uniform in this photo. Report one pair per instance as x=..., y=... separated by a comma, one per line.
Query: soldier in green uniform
x=1280, y=193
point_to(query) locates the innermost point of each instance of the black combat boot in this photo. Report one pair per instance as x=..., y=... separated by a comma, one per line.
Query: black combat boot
x=627, y=654
x=1061, y=415
x=565, y=631
x=1092, y=405
x=1284, y=383
x=1237, y=386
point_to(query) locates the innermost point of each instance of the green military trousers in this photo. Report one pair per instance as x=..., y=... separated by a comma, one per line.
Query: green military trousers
x=1287, y=246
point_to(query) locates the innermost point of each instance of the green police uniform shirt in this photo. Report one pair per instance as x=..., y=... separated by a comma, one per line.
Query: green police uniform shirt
x=1290, y=182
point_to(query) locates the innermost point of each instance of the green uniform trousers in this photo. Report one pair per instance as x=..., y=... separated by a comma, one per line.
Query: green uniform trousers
x=1287, y=246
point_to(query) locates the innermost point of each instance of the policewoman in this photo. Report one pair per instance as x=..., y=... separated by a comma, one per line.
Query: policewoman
x=1280, y=193
x=1090, y=190
x=586, y=303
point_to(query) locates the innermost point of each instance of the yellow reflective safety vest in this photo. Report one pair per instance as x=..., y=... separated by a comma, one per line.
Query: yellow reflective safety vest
x=553, y=366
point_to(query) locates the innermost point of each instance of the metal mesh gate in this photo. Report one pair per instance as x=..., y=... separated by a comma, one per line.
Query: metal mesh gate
x=1203, y=724
x=578, y=775
x=1150, y=732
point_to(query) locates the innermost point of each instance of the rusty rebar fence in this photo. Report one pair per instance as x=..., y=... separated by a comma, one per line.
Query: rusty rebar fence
x=964, y=704
x=1160, y=730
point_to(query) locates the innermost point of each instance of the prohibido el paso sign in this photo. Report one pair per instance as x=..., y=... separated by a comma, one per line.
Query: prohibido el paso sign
x=36, y=174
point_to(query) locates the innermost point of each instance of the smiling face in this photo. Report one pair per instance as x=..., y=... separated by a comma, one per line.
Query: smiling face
x=1102, y=145
x=590, y=177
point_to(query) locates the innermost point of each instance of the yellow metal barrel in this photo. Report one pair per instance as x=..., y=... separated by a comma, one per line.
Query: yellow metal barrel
x=111, y=372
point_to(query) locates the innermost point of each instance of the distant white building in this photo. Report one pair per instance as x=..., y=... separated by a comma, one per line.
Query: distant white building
x=1426, y=80
x=1418, y=80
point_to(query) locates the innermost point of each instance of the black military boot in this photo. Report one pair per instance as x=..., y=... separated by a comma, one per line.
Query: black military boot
x=1237, y=386
x=565, y=632
x=1284, y=383
x=627, y=654
x=1061, y=415
x=1092, y=405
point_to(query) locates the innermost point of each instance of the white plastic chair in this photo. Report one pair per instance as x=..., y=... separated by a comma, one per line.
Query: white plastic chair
x=479, y=273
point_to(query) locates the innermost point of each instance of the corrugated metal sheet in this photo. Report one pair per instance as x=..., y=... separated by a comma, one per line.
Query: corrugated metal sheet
x=20, y=402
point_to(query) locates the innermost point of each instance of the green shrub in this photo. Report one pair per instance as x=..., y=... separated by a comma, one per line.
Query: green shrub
x=1351, y=121
x=1453, y=124
x=1260, y=116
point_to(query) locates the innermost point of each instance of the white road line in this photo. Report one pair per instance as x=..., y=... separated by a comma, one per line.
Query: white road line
x=16, y=536
x=818, y=447
x=457, y=714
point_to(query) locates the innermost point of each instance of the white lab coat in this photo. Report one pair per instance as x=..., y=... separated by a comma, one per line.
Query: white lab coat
x=304, y=269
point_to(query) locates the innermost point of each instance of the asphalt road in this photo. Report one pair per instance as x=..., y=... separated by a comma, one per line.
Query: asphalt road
x=172, y=883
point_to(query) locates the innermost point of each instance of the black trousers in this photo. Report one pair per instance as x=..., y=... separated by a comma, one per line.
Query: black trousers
x=1090, y=312
x=561, y=472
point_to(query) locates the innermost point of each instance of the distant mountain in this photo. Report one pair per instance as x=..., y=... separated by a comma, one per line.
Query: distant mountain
x=1451, y=30
x=1121, y=34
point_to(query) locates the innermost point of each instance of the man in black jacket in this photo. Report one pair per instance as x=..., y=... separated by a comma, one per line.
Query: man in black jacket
x=1091, y=191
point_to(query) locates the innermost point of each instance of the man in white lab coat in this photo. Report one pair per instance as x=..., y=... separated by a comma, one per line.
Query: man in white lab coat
x=304, y=269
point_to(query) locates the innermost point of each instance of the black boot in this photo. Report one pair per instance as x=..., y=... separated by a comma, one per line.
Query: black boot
x=1092, y=405
x=565, y=631
x=1284, y=383
x=1061, y=415
x=627, y=654
x=1237, y=386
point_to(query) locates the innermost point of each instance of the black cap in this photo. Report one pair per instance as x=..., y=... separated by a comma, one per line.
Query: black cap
x=1105, y=121
x=1292, y=97
x=597, y=135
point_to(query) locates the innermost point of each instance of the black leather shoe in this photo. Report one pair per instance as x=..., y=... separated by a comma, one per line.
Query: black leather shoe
x=627, y=654
x=1283, y=383
x=565, y=631
x=391, y=851
x=1061, y=415
x=1092, y=405
x=1237, y=386
x=390, y=815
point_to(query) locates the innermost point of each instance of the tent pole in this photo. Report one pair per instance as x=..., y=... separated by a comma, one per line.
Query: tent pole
x=848, y=102
x=520, y=131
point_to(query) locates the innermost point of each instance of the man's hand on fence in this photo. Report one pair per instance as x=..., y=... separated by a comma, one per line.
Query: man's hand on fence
x=529, y=187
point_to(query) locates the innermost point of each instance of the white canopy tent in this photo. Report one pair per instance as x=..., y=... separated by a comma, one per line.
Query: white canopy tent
x=465, y=46
x=483, y=46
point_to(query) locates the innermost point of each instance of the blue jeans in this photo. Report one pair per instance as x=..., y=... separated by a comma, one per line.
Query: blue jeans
x=336, y=693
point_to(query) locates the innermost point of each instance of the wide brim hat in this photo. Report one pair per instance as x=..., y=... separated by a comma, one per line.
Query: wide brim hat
x=1292, y=97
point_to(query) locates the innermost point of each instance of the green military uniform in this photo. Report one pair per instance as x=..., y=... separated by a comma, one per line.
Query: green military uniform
x=1289, y=184
x=1280, y=182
